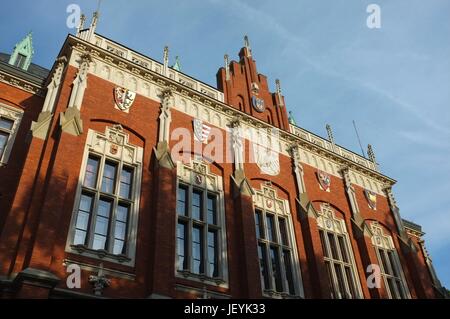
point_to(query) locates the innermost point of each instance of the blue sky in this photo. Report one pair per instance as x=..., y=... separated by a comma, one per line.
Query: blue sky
x=394, y=81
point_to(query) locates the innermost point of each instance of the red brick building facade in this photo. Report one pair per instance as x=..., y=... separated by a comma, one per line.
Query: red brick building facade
x=91, y=180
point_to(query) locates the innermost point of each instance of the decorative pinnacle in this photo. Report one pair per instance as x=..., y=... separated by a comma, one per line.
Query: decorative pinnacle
x=227, y=66
x=371, y=154
x=330, y=133
x=247, y=45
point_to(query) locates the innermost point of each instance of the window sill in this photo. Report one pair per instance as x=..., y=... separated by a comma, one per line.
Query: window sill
x=213, y=281
x=279, y=295
x=101, y=254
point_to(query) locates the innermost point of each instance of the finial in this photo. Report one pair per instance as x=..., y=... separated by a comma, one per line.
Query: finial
x=227, y=67
x=371, y=154
x=92, y=27
x=330, y=133
x=81, y=24
x=278, y=90
x=247, y=46
x=166, y=59
x=277, y=83
x=291, y=119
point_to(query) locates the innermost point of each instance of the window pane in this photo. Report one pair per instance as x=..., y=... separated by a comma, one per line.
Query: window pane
x=119, y=246
x=109, y=177
x=263, y=265
x=99, y=242
x=82, y=220
x=393, y=264
x=333, y=247
x=283, y=231
x=126, y=179
x=211, y=205
x=6, y=124
x=212, y=254
x=197, y=205
x=181, y=200
x=288, y=271
x=343, y=248
x=104, y=208
x=86, y=203
x=340, y=280
x=101, y=226
x=330, y=279
x=120, y=230
x=181, y=246
x=3, y=141
x=322, y=241
x=197, y=250
x=400, y=288
x=270, y=228
x=122, y=213
x=276, y=273
x=80, y=237
x=392, y=288
x=259, y=225
x=384, y=261
x=349, y=274
x=90, y=178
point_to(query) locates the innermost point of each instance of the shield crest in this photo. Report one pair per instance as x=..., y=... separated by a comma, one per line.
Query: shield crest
x=324, y=180
x=371, y=198
x=201, y=131
x=266, y=159
x=258, y=104
x=124, y=98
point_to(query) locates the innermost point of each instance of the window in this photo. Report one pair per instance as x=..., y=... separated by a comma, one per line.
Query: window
x=9, y=122
x=6, y=126
x=200, y=234
x=20, y=60
x=197, y=231
x=389, y=263
x=276, y=248
x=338, y=257
x=102, y=219
x=107, y=204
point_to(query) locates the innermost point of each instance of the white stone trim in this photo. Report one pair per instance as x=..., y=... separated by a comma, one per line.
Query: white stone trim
x=13, y=114
x=186, y=175
x=328, y=222
x=385, y=242
x=99, y=144
x=280, y=207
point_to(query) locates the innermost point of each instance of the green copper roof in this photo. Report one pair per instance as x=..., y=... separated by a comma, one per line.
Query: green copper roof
x=291, y=119
x=23, y=53
x=177, y=65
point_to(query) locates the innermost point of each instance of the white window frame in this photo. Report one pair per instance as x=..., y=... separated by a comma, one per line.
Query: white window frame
x=328, y=223
x=112, y=145
x=384, y=243
x=197, y=175
x=15, y=115
x=266, y=200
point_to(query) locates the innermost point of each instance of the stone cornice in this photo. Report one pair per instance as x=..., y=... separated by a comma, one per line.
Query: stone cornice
x=21, y=83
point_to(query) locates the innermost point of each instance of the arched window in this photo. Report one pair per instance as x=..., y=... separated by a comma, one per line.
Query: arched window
x=107, y=202
x=391, y=270
x=277, y=252
x=338, y=255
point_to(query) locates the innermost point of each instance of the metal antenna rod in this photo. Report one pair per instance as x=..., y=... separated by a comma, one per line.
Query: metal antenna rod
x=359, y=140
x=99, y=3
